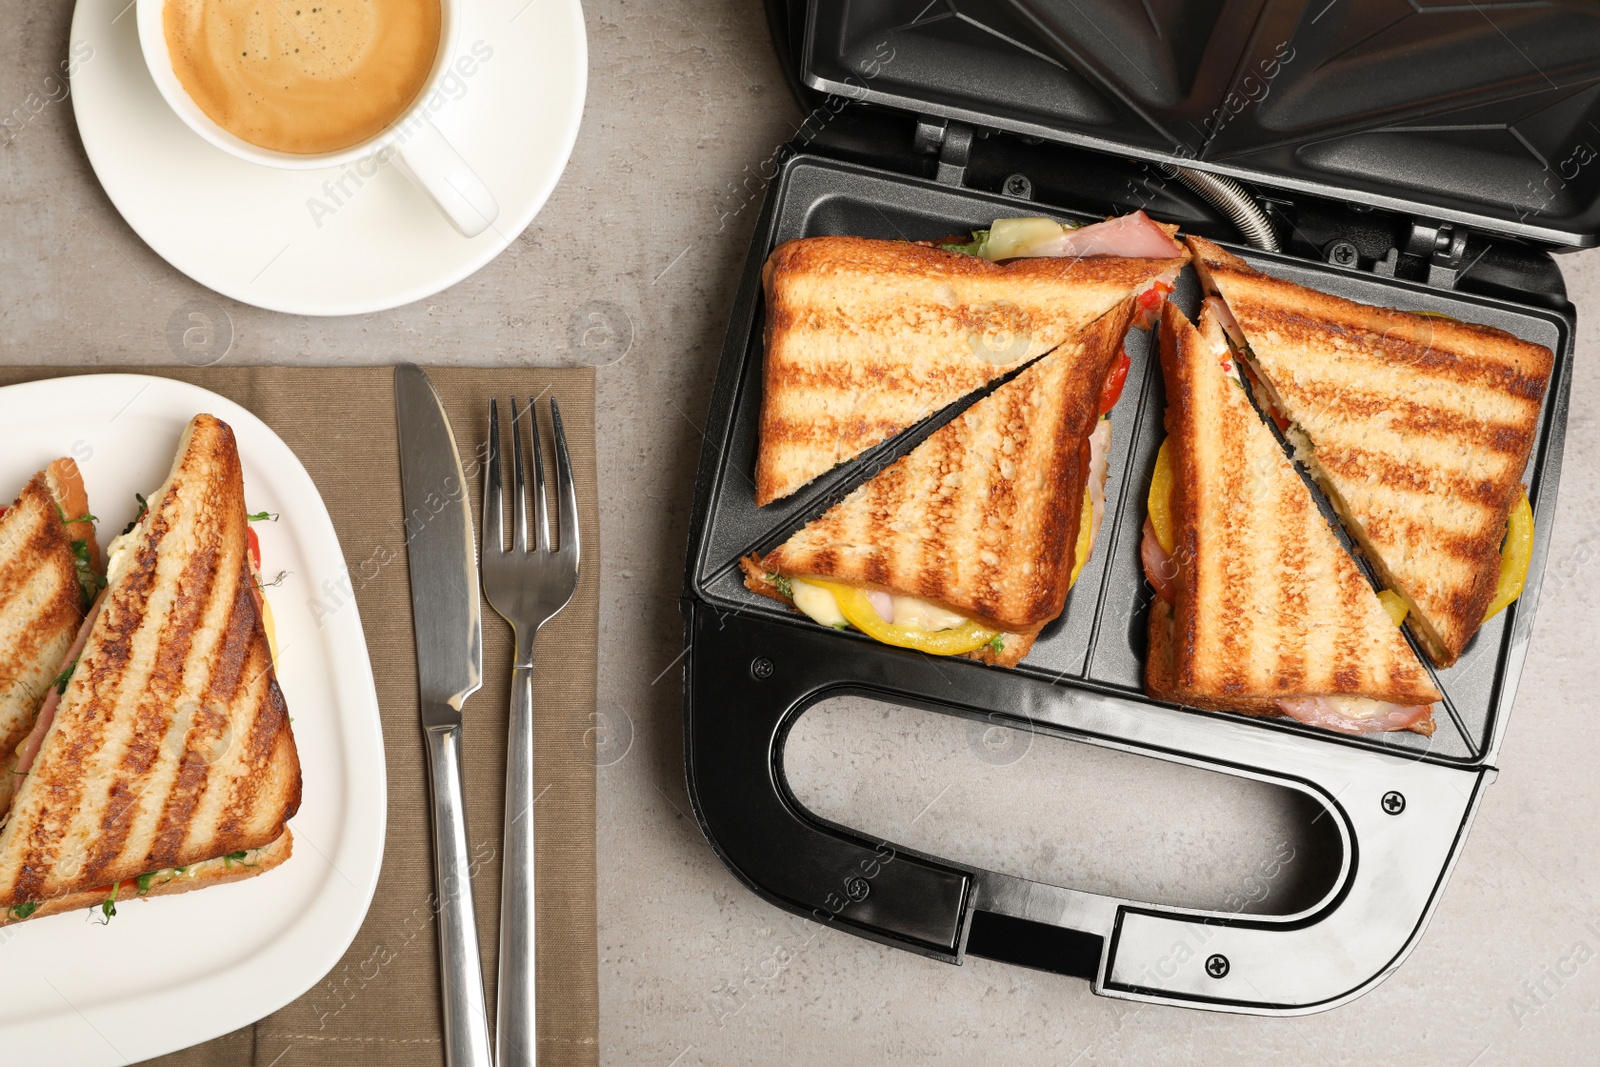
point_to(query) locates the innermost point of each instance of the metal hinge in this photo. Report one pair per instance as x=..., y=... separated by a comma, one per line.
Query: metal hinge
x=1443, y=245
x=952, y=140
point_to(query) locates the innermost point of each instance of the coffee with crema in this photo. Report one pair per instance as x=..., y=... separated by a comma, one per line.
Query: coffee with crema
x=302, y=76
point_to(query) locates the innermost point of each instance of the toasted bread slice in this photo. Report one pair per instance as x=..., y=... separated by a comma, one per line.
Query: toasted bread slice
x=1267, y=603
x=41, y=599
x=981, y=518
x=220, y=870
x=170, y=743
x=866, y=338
x=1418, y=427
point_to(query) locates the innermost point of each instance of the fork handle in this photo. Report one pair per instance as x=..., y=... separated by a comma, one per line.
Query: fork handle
x=466, y=1017
x=516, y=1019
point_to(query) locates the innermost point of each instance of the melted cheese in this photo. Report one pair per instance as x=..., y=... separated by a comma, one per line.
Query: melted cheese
x=914, y=613
x=1357, y=708
x=817, y=602
x=910, y=612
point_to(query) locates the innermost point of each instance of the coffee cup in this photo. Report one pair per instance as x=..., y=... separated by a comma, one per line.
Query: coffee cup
x=372, y=85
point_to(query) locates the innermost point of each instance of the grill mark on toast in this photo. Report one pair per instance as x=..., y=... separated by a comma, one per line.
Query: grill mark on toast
x=1353, y=463
x=995, y=505
x=1293, y=558
x=259, y=743
x=41, y=606
x=804, y=382
x=1418, y=420
x=1398, y=529
x=945, y=457
x=823, y=429
x=1348, y=647
x=1424, y=357
x=1237, y=655
x=1467, y=353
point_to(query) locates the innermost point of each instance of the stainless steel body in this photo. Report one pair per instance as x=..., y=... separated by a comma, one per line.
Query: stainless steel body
x=528, y=586
x=448, y=624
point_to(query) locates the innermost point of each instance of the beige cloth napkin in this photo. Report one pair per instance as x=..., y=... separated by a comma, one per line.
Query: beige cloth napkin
x=380, y=1005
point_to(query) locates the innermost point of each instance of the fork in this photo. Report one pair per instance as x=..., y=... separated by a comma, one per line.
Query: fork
x=527, y=586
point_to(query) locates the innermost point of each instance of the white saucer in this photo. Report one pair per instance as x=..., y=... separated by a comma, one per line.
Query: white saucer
x=284, y=240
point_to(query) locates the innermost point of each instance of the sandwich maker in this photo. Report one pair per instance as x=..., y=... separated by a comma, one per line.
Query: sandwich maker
x=1407, y=154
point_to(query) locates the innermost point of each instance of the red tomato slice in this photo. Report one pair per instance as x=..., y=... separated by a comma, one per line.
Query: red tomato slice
x=1116, y=378
x=1150, y=300
x=253, y=546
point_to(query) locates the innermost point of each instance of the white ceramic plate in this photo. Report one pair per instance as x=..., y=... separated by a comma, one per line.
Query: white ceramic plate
x=174, y=971
x=297, y=241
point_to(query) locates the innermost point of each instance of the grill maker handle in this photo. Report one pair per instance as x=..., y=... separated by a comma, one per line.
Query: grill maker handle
x=746, y=683
x=742, y=688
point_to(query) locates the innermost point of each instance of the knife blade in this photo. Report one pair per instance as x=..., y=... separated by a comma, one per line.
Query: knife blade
x=446, y=615
x=447, y=621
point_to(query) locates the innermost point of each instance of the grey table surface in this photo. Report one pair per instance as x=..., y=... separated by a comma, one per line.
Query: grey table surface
x=647, y=231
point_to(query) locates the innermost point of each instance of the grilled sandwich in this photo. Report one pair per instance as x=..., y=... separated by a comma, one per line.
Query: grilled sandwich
x=1418, y=428
x=164, y=759
x=1259, y=607
x=969, y=543
x=866, y=338
x=49, y=574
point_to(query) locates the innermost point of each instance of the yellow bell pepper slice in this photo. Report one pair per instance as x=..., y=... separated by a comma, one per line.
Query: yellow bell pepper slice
x=1515, y=554
x=860, y=613
x=1159, y=503
x=1394, y=604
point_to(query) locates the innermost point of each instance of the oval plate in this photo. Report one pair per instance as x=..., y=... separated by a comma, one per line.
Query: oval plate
x=174, y=971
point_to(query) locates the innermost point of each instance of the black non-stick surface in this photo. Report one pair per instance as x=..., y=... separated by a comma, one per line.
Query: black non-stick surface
x=1099, y=641
x=1484, y=113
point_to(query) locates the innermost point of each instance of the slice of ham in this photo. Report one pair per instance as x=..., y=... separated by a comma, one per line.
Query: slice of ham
x=1134, y=236
x=1374, y=716
x=1159, y=569
x=47, y=711
x=1224, y=316
x=1099, y=450
x=882, y=603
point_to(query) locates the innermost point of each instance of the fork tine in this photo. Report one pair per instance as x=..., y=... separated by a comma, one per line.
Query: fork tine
x=567, y=488
x=519, y=485
x=541, y=511
x=493, y=513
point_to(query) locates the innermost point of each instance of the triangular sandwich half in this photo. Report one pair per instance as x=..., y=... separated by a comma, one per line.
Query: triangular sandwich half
x=968, y=544
x=49, y=574
x=167, y=761
x=1418, y=427
x=866, y=338
x=1260, y=609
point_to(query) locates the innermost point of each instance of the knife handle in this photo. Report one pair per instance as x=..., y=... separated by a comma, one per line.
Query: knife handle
x=466, y=1016
x=516, y=1034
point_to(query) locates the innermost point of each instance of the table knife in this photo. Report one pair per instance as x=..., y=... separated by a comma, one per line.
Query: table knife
x=448, y=623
